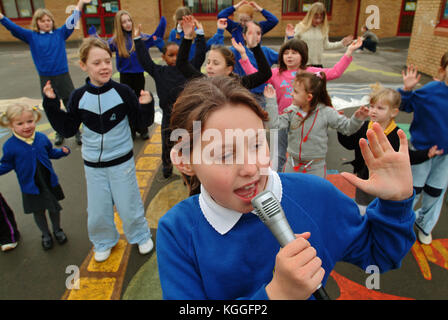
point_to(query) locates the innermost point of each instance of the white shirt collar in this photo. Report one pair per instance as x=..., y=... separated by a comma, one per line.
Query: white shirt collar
x=43, y=32
x=223, y=219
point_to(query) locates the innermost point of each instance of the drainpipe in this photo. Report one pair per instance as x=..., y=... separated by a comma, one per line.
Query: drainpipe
x=358, y=9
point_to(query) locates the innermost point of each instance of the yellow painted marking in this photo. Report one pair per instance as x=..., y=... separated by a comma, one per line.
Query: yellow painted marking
x=153, y=149
x=156, y=138
x=356, y=67
x=118, y=223
x=95, y=284
x=421, y=260
x=437, y=245
x=143, y=178
x=112, y=264
x=147, y=163
x=427, y=249
x=93, y=289
x=43, y=127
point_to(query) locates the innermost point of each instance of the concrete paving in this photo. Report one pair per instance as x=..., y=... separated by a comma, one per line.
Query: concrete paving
x=30, y=273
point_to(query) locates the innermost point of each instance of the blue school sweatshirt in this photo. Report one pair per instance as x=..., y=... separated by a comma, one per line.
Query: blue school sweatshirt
x=22, y=157
x=270, y=54
x=430, y=106
x=236, y=30
x=48, y=48
x=196, y=262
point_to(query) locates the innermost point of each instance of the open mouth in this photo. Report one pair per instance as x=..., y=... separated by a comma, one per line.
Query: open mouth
x=247, y=192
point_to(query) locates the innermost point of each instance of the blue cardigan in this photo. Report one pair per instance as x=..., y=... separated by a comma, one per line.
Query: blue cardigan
x=196, y=262
x=430, y=124
x=47, y=49
x=22, y=157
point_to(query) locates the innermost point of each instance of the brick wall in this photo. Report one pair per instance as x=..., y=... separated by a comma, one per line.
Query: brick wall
x=389, y=16
x=426, y=47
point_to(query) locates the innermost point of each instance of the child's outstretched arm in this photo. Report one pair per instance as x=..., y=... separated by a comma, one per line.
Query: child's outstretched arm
x=69, y=26
x=7, y=162
x=410, y=80
x=271, y=20
x=143, y=55
x=275, y=121
x=17, y=31
x=390, y=175
x=65, y=123
x=182, y=63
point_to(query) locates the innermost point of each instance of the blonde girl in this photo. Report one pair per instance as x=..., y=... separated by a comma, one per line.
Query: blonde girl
x=314, y=29
x=47, y=45
x=383, y=108
x=28, y=153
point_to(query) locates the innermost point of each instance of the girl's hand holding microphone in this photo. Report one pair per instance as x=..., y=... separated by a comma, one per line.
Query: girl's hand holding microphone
x=298, y=271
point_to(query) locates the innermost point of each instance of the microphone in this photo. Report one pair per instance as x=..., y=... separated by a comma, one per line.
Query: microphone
x=270, y=212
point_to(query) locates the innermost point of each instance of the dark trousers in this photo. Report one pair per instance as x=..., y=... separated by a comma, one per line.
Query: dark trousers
x=166, y=143
x=369, y=45
x=8, y=227
x=136, y=81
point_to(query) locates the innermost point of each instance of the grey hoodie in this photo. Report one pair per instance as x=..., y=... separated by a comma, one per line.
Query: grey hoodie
x=309, y=141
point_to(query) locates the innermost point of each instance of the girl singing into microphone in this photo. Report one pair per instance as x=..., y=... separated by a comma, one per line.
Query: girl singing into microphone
x=210, y=246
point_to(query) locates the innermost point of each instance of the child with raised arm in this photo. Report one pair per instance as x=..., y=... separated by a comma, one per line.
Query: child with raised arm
x=429, y=127
x=308, y=120
x=383, y=108
x=177, y=33
x=103, y=106
x=314, y=29
x=293, y=59
x=212, y=246
x=244, y=12
x=47, y=45
x=127, y=64
x=220, y=60
x=28, y=153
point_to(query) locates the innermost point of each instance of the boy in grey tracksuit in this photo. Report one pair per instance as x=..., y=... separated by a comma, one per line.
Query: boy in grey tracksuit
x=307, y=142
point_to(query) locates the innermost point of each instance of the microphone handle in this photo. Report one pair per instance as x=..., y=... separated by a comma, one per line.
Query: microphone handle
x=321, y=294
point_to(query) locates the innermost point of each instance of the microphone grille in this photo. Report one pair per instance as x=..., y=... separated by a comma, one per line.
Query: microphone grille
x=266, y=206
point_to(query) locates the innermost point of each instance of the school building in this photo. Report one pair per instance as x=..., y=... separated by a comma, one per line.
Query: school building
x=426, y=21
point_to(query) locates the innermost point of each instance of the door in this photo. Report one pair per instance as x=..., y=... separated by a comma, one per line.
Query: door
x=100, y=14
x=407, y=17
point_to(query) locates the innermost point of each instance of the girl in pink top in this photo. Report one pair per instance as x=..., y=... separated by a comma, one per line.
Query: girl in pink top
x=293, y=57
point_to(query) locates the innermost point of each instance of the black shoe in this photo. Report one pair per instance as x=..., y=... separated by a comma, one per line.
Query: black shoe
x=60, y=236
x=47, y=242
x=78, y=138
x=59, y=139
x=144, y=136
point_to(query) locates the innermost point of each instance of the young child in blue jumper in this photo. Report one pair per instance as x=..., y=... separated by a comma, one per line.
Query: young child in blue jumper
x=47, y=45
x=28, y=153
x=244, y=12
x=211, y=245
x=104, y=107
x=429, y=127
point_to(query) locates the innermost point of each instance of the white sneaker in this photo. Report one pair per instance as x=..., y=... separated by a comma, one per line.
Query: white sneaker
x=423, y=238
x=101, y=256
x=146, y=247
x=9, y=246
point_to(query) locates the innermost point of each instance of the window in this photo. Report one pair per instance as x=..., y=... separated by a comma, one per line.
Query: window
x=444, y=15
x=301, y=7
x=20, y=9
x=207, y=7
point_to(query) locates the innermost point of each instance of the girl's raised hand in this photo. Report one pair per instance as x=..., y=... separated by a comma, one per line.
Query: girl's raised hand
x=239, y=47
x=222, y=23
x=289, y=30
x=390, y=176
x=48, y=90
x=362, y=113
x=269, y=91
x=434, y=151
x=353, y=46
x=145, y=97
x=239, y=4
x=256, y=6
x=347, y=40
x=188, y=26
x=138, y=30
x=410, y=77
